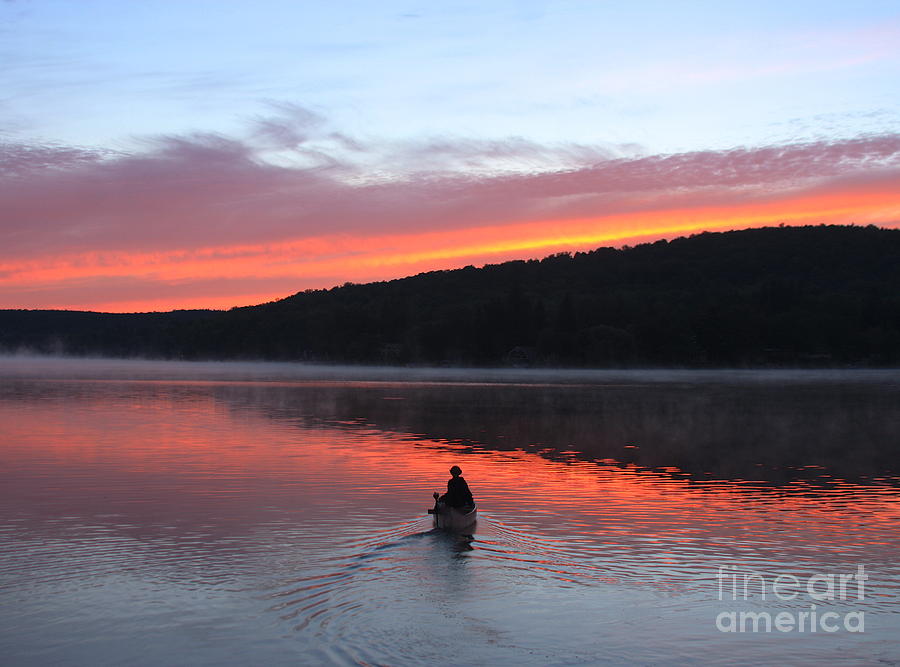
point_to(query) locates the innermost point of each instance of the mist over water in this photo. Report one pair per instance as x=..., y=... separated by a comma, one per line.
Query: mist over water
x=34, y=366
x=232, y=513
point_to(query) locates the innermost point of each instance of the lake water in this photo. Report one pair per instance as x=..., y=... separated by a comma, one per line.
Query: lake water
x=166, y=513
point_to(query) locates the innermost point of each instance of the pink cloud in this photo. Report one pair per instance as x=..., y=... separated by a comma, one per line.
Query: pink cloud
x=194, y=191
x=195, y=201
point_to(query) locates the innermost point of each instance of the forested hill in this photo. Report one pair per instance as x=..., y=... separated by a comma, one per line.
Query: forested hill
x=788, y=296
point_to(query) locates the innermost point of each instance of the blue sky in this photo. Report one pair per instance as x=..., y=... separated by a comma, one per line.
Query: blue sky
x=665, y=76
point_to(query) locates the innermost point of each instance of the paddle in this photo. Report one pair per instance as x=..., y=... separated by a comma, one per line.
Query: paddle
x=436, y=495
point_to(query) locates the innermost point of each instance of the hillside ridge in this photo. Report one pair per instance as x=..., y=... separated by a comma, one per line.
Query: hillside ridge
x=823, y=295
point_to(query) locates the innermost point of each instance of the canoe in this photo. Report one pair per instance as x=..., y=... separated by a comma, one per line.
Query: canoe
x=450, y=518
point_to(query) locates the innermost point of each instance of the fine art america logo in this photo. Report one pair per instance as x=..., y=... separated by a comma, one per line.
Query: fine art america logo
x=828, y=588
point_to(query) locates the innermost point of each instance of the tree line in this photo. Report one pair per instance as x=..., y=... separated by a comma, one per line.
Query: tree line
x=777, y=296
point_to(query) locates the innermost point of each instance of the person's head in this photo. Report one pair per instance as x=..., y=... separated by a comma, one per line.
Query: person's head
x=456, y=471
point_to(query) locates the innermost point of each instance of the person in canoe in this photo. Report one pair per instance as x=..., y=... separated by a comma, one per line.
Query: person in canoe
x=458, y=494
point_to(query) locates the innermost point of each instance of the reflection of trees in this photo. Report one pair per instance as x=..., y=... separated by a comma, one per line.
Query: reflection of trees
x=774, y=433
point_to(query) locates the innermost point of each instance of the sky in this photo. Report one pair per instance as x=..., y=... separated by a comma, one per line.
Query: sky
x=210, y=154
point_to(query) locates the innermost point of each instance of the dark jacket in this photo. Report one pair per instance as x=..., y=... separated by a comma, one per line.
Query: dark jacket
x=458, y=494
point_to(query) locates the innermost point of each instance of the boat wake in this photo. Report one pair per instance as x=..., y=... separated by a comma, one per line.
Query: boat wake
x=420, y=571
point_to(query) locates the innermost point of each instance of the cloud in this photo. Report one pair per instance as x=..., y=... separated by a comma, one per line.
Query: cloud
x=294, y=203
x=290, y=128
x=26, y=160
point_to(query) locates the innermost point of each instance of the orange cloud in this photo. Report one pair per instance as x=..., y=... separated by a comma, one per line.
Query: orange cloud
x=131, y=235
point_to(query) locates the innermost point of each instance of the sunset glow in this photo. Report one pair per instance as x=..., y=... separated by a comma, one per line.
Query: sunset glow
x=184, y=206
x=417, y=332
x=316, y=262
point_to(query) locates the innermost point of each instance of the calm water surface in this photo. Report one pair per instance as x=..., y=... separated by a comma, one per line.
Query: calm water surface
x=157, y=513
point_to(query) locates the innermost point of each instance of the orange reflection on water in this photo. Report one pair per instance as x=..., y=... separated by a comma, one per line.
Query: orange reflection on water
x=292, y=513
x=160, y=451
